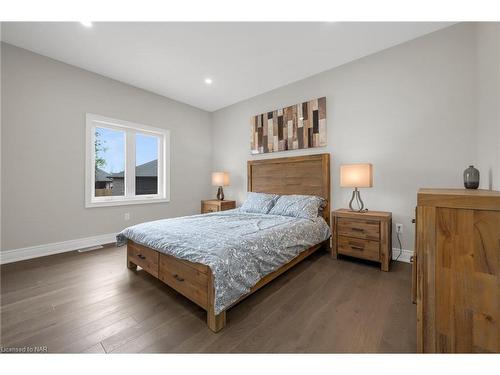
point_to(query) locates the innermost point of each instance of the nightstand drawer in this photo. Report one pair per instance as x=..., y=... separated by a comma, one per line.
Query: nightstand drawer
x=214, y=205
x=227, y=205
x=359, y=248
x=207, y=207
x=358, y=228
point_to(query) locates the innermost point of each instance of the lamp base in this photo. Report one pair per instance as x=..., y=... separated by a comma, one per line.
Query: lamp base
x=220, y=193
x=359, y=203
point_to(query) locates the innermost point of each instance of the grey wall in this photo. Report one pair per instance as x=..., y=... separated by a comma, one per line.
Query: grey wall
x=409, y=110
x=488, y=104
x=420, y=112
x=43, y=146
x=0, y=140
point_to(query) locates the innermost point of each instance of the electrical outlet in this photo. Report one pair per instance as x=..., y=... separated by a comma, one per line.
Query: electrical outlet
x=126, y=216
x=399, y=228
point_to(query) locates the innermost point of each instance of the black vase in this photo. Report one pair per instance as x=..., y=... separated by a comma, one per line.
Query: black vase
x=471, y=178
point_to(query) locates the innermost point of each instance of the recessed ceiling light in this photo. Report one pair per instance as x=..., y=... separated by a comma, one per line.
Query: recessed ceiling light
x=86, y=23
x=208, y=81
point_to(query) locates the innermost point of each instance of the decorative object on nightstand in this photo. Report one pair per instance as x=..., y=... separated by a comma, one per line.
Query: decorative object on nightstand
x=215, y=205
x=356, y=176
x=220, y=179
x=471, y=178
x=366, y=235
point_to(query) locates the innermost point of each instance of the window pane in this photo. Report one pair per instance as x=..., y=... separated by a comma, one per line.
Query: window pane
x=146, y=164
x=109, y=162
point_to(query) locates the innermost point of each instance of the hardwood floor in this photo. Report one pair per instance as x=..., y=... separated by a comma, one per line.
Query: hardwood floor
x=90, y=302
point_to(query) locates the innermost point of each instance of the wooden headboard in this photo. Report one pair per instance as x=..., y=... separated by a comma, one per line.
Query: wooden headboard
x=308, y=174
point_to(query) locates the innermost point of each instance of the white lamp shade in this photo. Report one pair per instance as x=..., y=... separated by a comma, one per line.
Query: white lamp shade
x=356, y=175
x=220, y=179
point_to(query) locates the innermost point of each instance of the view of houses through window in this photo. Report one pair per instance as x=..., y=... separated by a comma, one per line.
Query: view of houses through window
x=146, y=164
x=109, y=158
x=110, y=163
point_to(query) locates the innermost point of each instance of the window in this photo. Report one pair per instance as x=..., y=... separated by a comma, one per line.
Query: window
x=126, y=163
x=146, y=164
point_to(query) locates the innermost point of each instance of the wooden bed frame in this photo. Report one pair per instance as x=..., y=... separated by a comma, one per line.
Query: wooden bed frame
x=309, y=174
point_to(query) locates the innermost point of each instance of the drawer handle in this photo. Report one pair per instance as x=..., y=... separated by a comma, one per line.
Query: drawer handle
x=357, y=248
x=140, y=256
x=358, y=229
x=178, y=278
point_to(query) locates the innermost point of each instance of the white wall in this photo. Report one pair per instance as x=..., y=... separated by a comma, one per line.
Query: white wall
x=409, y=110
x=488, y=104
x=43, y=148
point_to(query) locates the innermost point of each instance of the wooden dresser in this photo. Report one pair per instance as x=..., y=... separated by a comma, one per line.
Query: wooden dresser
x=214, y=205
x=457, y=271
x=365, y=235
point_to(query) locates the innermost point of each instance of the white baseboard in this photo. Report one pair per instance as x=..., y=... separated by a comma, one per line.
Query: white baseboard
x=404, y=257
x=15, y=255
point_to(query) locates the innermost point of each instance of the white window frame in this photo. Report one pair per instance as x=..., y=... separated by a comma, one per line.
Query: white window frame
x=94, y=121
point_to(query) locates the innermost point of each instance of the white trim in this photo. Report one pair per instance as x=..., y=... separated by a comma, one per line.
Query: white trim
x=126, y=202
x=130, y=129
x=405, y=255
x=129, y=165
x=15, y=255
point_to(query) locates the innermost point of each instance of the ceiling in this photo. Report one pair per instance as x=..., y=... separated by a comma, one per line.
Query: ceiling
x=242, y=59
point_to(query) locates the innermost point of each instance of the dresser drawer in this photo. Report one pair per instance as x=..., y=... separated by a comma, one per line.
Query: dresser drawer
x=358, y=228
x=145, y=258
x=187, y=280
x=359, y=248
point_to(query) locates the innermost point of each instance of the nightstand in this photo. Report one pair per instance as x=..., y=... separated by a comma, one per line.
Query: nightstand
x=214, y=205
x=365, y=235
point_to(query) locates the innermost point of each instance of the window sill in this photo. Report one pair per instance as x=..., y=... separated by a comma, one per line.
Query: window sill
x=124, y=202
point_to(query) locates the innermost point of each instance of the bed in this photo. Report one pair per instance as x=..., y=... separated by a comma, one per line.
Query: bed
x=218, y=259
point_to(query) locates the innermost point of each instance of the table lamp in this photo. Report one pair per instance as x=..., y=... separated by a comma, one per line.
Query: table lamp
x=356, y=176
x=220, y=179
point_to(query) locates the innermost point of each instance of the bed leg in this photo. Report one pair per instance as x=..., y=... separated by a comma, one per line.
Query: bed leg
x=216, y=322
